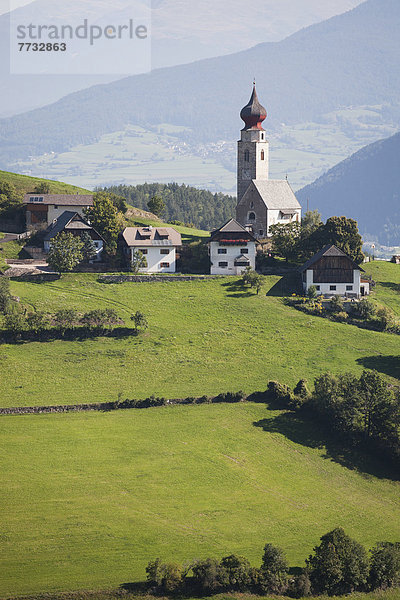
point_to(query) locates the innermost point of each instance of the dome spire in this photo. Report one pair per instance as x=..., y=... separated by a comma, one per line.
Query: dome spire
x=253, y=114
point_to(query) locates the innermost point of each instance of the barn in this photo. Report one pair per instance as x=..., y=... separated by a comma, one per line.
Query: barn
x=333, y=273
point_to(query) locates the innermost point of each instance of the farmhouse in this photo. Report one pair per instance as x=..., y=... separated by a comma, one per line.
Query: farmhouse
x=72, y=222
x=232, y=249
x=157, y=244
x=333, y=273
x=262, y=202
x=43, y=209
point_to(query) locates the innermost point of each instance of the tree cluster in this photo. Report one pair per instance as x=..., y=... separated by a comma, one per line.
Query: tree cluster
x=364, y=410
x=180, y=203
x=295, y=241
x=338, y=565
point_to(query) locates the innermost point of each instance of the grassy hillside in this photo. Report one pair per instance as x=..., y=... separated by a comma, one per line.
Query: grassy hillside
x=25, y=184
x=99, y=495
x=387, y=277
x=203, y=338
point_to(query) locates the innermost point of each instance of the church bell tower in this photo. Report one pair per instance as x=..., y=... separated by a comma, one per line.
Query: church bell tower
x=253, y=146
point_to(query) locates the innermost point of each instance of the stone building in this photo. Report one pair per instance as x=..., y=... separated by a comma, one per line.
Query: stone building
x=262, y=201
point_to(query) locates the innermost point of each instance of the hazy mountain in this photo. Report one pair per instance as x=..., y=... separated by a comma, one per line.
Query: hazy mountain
x=299, y=79
x=182, y=32
x=366, y=187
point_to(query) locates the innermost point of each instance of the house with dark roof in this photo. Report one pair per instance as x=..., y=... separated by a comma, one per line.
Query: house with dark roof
x=333, y=273
x=232, y=249
x=43, y=209
x=73, y=222
x=262, y=201
x=157, y=244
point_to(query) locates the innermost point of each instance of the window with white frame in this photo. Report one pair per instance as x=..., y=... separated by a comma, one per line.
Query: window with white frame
x=221, y=250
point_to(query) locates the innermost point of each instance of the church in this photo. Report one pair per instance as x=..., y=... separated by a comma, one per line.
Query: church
x=262, y=201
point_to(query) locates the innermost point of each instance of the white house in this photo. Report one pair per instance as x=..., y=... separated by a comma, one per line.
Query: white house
x=232, y=249
x=157, y=244
x=72, y=222
x=262, y=201
x=333, y=273
x=45, y=208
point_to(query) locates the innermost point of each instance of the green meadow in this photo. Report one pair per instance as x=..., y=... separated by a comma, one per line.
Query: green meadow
x=88, y=499
x=204, y=337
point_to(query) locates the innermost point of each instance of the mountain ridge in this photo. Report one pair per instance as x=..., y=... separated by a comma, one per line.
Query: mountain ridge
x=365, y=186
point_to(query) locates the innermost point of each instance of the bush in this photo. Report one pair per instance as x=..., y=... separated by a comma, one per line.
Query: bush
x=385, y=566
x=279, y=393
x=364, y=309
x=230, y=397
x=339, y=565
x=341, y=317
x=385, y=317
x=312, y=291
x=38, y=321
x=336, y=304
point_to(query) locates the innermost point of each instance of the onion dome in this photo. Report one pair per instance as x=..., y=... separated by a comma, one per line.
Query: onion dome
x=253, y=114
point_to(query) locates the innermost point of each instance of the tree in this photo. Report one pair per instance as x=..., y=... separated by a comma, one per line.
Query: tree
x=310, y=222
x=258, y=282
x=140, y=321
x=166, y=577
x=65, y=252
x=274, y=570
x=89, y=250
x=138, y=261
x=118, y=201
x=156, y=205
x=235, y=573
x=342, y=233
x=103, y=216
x=285, y=239
x=339, y=565
x=385, y=566
x=10, y=198
x=376, y=397
x=207, y=575
x=42, y=188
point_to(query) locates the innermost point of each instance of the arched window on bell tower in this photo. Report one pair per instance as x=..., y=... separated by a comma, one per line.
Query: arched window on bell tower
x=246, y=155
x=262, y=155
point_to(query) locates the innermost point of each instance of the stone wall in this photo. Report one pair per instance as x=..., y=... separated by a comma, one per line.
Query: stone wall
x=153, y=278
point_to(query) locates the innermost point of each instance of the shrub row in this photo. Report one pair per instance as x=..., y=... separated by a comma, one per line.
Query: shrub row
x=364, y=313
x=338, y=565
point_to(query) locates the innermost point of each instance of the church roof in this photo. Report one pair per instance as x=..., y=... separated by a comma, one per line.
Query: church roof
x=253, y=114
x=276, y=194
x=328, y=250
